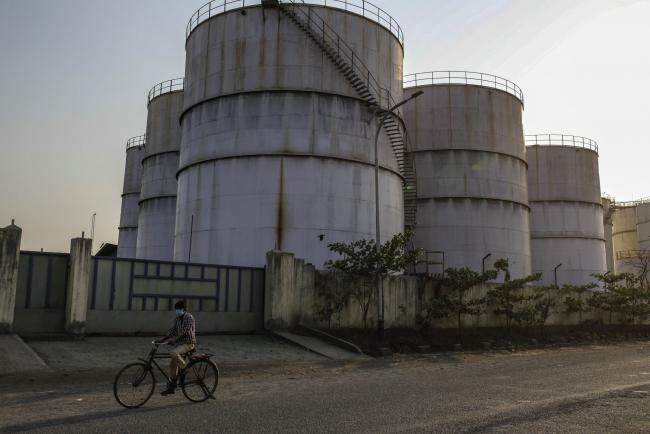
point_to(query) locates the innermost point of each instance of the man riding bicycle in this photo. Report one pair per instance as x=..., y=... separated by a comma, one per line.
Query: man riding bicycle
x=182, y=336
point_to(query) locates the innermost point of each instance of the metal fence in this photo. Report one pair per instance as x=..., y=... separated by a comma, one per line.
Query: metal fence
x=561, y=140
x=466, y=78
x=363, y=8
x=173, y=85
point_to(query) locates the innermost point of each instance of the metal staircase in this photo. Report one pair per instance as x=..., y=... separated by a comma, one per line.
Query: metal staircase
x=362, y=80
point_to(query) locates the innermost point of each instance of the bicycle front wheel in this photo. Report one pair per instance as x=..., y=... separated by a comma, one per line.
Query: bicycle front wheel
x=134, y=385
x=199, y=380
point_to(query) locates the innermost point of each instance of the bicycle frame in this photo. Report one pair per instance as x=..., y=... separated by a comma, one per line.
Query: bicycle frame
x=151, y=361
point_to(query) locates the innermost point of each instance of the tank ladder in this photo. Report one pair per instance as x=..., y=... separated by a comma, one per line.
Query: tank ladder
x=359, y=76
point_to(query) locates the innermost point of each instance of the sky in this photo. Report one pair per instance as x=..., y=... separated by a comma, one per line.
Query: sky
x=74, y=76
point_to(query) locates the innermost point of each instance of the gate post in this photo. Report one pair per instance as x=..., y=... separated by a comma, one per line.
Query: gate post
x=76, y=305
x=9, y=258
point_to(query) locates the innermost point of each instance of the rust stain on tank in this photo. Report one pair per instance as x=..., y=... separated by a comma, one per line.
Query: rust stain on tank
x=279, y=226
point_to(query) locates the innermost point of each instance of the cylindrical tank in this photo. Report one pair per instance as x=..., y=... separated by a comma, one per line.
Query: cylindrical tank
x=643, y=225
x=625, y=236
x=467, y=141
x=157, y=219
x=567, y=225
x=608, y=213
x=128, y=230
x=278, y=133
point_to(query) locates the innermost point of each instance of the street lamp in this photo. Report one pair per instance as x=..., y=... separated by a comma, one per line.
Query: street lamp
x=484, y=258
x=555, y=273
x=380, y=283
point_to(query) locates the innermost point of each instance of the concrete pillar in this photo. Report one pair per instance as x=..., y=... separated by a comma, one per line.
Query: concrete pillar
x=279, y=287
x=78, y=282
x=9, y=257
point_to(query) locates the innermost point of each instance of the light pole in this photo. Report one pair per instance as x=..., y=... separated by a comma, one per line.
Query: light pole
x=555, y=273
x=484, y=258
x=380, y=283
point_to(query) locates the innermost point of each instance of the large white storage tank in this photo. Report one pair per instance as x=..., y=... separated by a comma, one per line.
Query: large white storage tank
x=608, y=214
x=157, y=218
x=567, y=224
x=278, y=131
x=467, y=141
x=643, y=225
x=128, y=229
x=625, y=236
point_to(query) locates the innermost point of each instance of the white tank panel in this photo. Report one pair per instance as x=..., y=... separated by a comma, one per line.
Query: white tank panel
x=157, y=219
x=567, y=221
x=277, y=145
x=128, y=229
x=625, y=237
x=468, y=147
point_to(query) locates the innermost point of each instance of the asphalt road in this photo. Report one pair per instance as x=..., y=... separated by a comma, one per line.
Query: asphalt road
x=579, y=390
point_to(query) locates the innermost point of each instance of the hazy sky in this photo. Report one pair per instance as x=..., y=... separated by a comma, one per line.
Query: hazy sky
x=74, y=75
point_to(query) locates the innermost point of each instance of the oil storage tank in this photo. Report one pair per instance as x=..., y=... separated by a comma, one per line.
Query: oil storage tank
x=467, y=142
x=624, y=236
x=157, y=218
x=643, y=225
x=128, y=229
x=281, y=108
x=567, y=222
x=608, y=214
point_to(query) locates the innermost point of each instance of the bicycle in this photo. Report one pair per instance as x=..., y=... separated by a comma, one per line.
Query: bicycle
x=135, y=383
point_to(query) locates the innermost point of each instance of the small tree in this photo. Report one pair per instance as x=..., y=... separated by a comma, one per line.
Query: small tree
x=360, y=259
x=538, y=306
x=507, y=298
x=576, y=299
x=612, y=299
x=459, y=282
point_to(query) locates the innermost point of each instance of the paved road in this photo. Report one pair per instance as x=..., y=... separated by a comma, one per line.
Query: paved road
x=589, y=389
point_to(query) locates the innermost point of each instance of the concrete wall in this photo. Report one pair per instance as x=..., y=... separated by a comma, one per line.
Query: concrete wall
x=41, y=293
x=138, y=296
x=567, y=222
x=157, y=216
x=76, y=299
x=625, y=237
x=468, y=146
x=277, y=145
x=9, y=257
x=128, y=230
x=294, y=295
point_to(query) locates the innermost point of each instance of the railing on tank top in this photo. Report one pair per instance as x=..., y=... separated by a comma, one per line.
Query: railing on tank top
x=631, y=203
x=632, y=254
x=173, y=85
x=561, y=140
x=358, y=7
x=466, y=78
x=138, y=141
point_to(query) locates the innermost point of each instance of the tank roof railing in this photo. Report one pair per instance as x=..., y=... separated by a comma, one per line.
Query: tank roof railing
x=358, y=7
x=465, y=78
x=173, y=85
x=631, y=203
x=561, y=140
x=137, y=141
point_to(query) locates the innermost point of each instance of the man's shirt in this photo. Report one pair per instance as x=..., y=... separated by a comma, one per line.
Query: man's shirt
x=183, y=330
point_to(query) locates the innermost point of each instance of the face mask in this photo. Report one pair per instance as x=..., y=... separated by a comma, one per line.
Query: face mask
x=180, y=312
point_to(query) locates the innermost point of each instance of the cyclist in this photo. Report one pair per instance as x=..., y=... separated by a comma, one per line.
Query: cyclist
x=182, y=336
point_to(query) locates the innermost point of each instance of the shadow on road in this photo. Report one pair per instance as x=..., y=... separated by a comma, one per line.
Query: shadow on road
x=48, y=423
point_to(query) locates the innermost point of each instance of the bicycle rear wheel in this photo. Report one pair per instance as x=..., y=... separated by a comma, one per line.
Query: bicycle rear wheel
x=134, y=385
x=199, y=380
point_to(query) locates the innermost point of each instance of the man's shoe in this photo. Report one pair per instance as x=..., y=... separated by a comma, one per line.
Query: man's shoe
x=169, y=391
